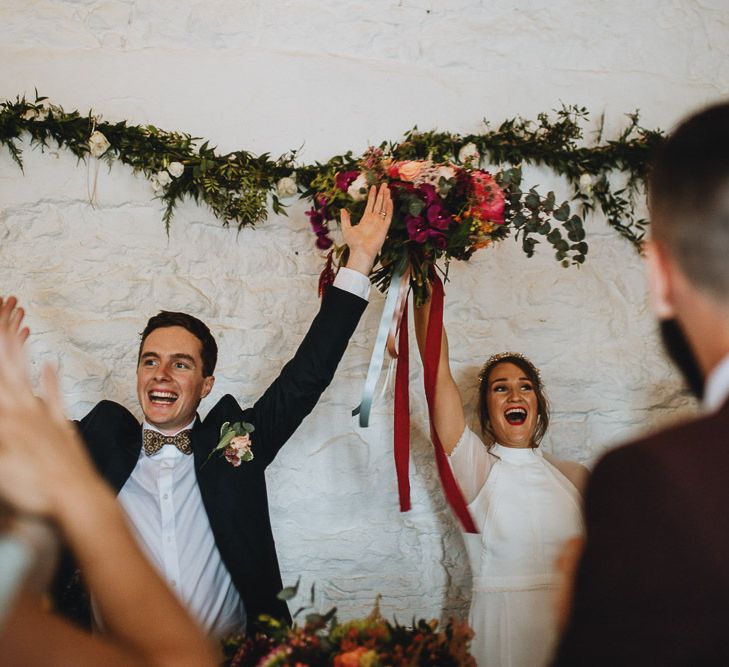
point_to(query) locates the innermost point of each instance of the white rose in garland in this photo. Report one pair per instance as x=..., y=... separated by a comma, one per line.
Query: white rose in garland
x=286, y=187
x=469, y=153
x=98, y=144
x=176, y=169
x=586, y=184
x=160, y=180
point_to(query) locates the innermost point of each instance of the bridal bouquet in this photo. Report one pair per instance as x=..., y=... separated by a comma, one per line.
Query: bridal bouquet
x=442, y=210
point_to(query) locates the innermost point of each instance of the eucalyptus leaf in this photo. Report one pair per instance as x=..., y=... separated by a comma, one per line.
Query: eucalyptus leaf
x=562, y=213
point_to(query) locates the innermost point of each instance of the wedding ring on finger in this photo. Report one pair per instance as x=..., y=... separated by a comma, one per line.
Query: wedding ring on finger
x=383, y=214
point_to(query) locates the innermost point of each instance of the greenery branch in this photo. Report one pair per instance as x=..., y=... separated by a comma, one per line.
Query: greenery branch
x=240, y=187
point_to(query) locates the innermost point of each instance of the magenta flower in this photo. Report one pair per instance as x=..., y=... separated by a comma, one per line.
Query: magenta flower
x=420, y=232
x=437, y=217
x=345, y=178
x=430, y=194
x=416, y=228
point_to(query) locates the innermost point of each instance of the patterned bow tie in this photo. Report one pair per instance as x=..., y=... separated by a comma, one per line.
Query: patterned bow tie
x=153, y=441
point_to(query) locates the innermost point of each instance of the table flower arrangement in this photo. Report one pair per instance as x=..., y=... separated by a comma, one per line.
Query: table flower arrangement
x=369, y=642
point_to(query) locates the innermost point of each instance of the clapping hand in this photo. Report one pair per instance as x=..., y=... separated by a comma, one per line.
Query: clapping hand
x=11, y=317
x=41, y=457
x=366, y=238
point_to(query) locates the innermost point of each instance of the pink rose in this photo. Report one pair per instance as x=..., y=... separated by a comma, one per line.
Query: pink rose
x=239, y=450
x=490, y=198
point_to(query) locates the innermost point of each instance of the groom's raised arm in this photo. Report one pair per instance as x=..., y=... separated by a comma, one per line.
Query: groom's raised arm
x=295, y=392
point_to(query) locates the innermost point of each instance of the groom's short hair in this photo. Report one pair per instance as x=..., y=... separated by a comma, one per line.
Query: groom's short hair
x=198, y=328
x=689, y=198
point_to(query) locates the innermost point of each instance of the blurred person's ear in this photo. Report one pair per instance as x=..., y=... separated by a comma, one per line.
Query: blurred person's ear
x=659, y=269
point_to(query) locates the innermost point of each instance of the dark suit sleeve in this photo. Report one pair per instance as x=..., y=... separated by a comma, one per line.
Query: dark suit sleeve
x=293, y=395
x=629, y=576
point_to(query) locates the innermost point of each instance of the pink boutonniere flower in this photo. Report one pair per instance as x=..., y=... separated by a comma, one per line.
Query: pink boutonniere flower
x=235, y=443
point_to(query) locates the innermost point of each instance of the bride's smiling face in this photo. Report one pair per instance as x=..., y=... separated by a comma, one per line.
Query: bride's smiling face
x=512, y=405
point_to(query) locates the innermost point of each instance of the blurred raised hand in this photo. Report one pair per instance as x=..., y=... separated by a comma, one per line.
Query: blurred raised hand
x=11, y=318
x=41, y=458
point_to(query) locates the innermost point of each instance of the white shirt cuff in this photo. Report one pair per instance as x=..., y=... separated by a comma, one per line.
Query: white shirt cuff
x=354, y=282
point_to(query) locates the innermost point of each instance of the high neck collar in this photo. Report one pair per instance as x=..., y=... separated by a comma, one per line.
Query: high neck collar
x=516, y=454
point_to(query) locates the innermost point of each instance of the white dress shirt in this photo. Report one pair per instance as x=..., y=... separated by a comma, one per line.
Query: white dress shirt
x=163, y=503
x=162, y=500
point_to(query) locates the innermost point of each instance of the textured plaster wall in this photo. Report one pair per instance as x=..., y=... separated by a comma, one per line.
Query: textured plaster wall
x=329, y=76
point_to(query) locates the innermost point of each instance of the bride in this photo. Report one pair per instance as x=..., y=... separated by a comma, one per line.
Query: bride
x=525, y=503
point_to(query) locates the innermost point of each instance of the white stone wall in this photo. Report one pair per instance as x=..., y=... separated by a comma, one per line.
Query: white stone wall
x=270, y=75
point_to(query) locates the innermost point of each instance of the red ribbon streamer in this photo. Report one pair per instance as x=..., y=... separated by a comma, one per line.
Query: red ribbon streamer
x=432, y=357
x=402, y=415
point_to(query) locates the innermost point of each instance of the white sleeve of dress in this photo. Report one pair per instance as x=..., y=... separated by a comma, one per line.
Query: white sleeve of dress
x=471, y=464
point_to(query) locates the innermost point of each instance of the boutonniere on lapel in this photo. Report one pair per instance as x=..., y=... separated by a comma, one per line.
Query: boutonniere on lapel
x=235, y=443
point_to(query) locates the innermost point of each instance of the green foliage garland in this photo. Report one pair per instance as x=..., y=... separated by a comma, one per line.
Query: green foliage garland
x=237, y=185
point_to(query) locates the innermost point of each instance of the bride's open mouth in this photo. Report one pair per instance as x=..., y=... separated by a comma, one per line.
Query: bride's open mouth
x=515, y=416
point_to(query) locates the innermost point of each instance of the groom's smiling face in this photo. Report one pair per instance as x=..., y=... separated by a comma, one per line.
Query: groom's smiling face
x=170, y=382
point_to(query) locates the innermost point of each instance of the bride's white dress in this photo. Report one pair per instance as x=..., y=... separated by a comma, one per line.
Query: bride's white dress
x=525, y=509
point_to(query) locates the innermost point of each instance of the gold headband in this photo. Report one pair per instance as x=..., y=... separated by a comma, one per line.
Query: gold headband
x=496, y=358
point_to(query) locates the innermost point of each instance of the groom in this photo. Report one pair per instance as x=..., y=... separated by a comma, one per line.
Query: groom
x=203, y=518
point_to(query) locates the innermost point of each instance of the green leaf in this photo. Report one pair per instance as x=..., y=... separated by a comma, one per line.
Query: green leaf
x=225, y=440
x=289, y=592
x=415, y=207
x=315, y=619
x=562, y=213
x=531, y=201
x=549, y=202
x=224, y=428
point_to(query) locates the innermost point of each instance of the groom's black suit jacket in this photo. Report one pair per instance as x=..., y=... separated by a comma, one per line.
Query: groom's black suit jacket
x=653, y=584
x=235, y=498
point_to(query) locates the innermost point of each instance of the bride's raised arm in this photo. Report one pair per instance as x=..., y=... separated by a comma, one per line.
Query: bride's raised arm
x=449, y=420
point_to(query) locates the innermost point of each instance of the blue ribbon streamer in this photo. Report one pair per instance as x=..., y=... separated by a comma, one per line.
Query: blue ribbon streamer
x=378, y=352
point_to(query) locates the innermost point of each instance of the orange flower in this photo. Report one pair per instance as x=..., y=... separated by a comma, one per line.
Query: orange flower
x=350, y=658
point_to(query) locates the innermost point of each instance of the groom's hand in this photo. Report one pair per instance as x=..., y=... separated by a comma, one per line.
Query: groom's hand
x=366, y=238
x=11, y=317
